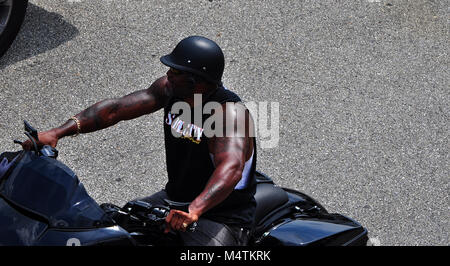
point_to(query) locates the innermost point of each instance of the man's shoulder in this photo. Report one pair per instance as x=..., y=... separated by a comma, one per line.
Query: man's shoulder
x=160, y=84
x=223, y=95
x=159, y=88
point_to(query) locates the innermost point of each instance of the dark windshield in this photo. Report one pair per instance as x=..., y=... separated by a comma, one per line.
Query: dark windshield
x=50, y=189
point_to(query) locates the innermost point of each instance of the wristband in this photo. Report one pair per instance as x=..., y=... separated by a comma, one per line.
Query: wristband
x=78, y=125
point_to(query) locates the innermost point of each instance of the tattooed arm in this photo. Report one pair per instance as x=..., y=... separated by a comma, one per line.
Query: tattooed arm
x=109, y=112
x=230, y=154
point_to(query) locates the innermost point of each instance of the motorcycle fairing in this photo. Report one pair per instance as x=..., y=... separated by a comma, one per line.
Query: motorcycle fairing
x=113, y=235
x=49, y=189
x=17, y=229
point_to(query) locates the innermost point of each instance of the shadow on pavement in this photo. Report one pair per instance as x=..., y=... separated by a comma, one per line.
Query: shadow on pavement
x=41, y=31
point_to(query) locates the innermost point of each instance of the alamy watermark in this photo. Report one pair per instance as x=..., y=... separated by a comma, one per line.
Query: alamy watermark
x=251, y=119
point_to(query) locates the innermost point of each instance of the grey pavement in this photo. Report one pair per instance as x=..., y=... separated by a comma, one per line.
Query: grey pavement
x=362, y=87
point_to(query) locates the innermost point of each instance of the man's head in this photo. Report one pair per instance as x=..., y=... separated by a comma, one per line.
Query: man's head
x=195, y=61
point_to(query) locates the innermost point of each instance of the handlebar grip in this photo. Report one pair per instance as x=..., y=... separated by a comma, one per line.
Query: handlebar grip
x=28, y=128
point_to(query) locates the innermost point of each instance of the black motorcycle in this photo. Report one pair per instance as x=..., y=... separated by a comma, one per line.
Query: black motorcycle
x=43, y=203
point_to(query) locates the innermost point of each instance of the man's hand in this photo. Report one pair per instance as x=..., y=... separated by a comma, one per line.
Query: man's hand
x=179, y=220
x=45, y=138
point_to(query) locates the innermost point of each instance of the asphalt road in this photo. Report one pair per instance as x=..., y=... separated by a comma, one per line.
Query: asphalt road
x=362, y=89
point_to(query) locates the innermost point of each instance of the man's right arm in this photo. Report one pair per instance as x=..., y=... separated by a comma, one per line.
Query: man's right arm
x=109, y=112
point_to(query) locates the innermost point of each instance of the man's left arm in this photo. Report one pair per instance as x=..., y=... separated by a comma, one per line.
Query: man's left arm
x=229, y=153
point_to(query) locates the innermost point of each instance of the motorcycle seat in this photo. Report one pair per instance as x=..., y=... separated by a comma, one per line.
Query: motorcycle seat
x=268, y=197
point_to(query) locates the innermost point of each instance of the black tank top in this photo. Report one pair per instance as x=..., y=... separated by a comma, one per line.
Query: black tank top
x=189, y=165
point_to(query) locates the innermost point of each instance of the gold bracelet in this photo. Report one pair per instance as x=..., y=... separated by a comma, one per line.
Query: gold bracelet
x=78, y=125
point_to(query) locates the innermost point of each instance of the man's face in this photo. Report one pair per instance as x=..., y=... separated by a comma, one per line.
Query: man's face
x=181, y=83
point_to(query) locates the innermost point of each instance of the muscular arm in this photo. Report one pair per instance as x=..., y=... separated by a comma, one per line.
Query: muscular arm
x=230, y=155
x=111, y=111
x=108, y=112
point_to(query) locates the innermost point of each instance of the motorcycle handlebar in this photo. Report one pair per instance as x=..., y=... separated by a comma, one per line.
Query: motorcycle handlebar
x=32, y=134
x=148, y=214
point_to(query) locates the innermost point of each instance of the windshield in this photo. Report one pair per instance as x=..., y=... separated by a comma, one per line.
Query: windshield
x=50, y=189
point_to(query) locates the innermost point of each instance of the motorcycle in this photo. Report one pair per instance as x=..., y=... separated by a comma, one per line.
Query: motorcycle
x=43, y=203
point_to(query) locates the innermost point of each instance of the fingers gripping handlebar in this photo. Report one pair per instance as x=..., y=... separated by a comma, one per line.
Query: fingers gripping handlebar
x=140, y=215
x=32, y=134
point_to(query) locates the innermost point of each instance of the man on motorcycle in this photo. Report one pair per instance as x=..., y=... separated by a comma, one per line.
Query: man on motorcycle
x=214, y=172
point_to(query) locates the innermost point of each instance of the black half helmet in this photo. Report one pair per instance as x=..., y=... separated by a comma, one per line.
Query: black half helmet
x=197, y=55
